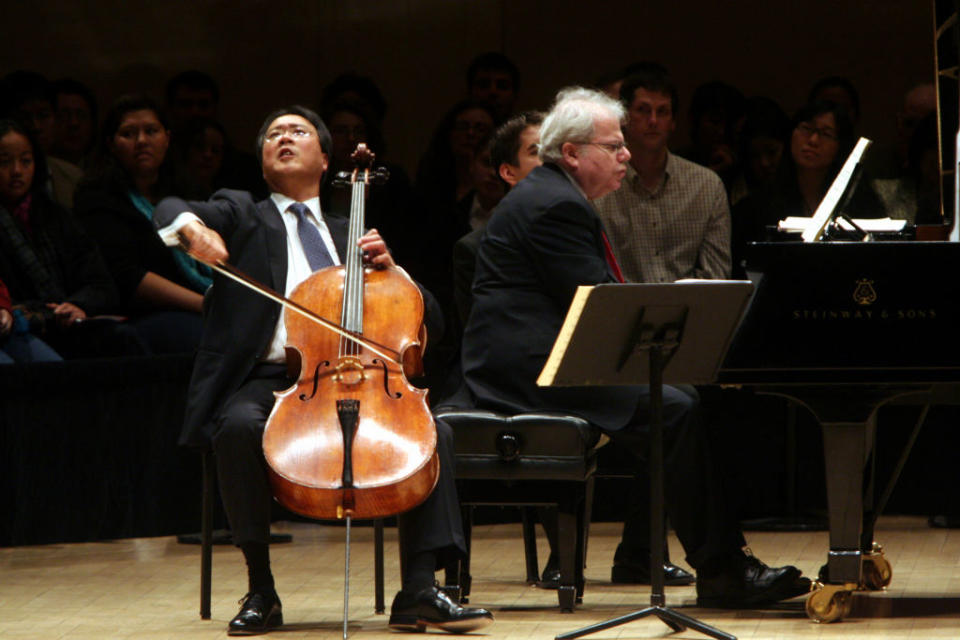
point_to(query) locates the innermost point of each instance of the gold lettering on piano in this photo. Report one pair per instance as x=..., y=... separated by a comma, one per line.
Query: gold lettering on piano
x=865, y=295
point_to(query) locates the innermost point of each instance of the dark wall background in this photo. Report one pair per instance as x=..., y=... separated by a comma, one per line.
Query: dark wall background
x=268, y=53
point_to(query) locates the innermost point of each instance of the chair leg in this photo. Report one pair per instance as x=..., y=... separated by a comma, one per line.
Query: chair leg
x=530, y=544
x=466, y=579
x=206, y=535
x=379, y=604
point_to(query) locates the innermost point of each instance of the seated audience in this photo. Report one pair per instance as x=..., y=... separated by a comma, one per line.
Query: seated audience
x=28, y=97
x=821, y=139
x=194, y=94
x=54, y=273
x=76, y=122
x=160, y=288
x=352, y=121
x=765, y=128
x=494, y=80
x=716, y=119
x=893, y=160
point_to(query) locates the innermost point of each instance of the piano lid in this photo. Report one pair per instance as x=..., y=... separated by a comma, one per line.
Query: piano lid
x=849, y=312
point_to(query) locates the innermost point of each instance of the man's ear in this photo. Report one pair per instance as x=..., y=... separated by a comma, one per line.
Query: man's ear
x=508, y=175
x=571, y=154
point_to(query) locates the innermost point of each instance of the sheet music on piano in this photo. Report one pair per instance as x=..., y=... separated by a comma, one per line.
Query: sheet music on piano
x=817, y=225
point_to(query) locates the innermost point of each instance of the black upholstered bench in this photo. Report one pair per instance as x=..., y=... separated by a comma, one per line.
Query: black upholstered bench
x=528, y=459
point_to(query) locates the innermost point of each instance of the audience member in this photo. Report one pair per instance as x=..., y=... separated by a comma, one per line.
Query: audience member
x=820, y=141
x=27, y=96
x=17, y=344
x=765, y=128
x=610, y=82
x=514, y=152
x=354, y=88
x=76, y=122
x=716, y=118
x=893, y=160
x=541, y=244
x=160, y=287
x=54, y=273
x=915, y=195
x=194, y=94
x=840, y=90
x=352, y=121
x=198, y=147
x=670, y=219
x=494, y=80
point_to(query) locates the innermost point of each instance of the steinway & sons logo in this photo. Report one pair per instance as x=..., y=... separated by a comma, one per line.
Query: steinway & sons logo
x=864, y=296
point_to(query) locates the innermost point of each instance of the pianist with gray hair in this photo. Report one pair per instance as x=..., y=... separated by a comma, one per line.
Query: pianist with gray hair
x=544, y=240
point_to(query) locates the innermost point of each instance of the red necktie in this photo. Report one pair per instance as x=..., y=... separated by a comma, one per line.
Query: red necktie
x=611, y=259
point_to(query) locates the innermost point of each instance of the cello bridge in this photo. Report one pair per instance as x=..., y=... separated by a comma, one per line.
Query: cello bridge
x=349, y=371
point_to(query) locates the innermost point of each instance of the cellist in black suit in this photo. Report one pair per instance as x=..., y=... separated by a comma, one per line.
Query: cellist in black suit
x=241, y=362
x=543, y=240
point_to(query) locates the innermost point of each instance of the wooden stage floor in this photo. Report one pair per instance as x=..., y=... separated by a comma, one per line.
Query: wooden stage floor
x=148, y=588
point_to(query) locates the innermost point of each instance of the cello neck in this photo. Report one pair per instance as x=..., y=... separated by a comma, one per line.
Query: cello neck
x=352, y=313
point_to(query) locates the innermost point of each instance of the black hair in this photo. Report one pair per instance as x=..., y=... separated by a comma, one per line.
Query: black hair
x=106, y=170
x=192, y=79
x=297, y=110
x=505, y=143
x=351, y=82
x=653, y=77
x=493, y=61
x=839, y=82
x=716, y=97
x=38, y=186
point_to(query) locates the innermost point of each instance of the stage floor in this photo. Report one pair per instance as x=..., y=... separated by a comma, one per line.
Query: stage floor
x=148, y=588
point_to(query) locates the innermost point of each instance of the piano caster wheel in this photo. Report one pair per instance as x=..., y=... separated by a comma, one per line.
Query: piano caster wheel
x=877, y=572
x=830, y=602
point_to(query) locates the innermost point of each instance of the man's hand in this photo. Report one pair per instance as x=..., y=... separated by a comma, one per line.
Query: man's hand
x=203, y=243
x=375, y=250
x=67, y=313
x=6, y=322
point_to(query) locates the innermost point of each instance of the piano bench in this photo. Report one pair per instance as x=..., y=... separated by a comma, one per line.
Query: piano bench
x=527, y=460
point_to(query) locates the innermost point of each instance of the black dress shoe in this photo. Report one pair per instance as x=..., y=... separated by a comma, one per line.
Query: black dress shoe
x=550, y=579
x=431, y=607
x=673, y=576
x=748, y=583
x=259, y=612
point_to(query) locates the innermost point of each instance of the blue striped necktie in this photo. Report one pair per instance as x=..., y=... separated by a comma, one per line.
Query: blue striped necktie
x=317, y=254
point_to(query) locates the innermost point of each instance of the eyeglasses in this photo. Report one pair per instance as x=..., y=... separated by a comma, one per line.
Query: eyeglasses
x=294, y=132
x=612, y=147
x=808, y=131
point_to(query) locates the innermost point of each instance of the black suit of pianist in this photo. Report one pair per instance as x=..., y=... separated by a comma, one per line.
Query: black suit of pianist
x=241, y=363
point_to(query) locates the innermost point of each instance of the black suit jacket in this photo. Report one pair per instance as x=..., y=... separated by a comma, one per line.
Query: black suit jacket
x=239, y=322
x=543, y=240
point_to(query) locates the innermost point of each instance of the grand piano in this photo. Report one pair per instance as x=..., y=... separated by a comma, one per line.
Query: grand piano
x=842, y=328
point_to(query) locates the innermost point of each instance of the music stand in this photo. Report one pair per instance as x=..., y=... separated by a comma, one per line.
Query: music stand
x=631, y=334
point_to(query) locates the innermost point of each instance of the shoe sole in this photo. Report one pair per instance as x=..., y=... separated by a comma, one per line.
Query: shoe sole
x=272, y=623
x=420, y=625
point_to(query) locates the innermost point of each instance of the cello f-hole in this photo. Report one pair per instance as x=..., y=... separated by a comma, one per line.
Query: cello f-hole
x=386, y=380
x=316, y=381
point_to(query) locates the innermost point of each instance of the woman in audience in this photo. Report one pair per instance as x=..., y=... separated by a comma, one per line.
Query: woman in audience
x=54, y=273
x=161, y=288
x=819, y=142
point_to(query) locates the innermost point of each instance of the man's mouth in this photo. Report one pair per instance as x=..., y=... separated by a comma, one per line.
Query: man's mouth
x=285, y=152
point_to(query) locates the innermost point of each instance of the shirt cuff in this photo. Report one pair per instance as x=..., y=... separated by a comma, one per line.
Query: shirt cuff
x=169, y=233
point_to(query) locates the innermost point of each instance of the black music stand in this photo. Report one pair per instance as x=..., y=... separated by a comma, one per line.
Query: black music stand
x=648, y=333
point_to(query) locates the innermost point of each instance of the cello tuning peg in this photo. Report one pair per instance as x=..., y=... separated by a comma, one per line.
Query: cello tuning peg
x=342, y=179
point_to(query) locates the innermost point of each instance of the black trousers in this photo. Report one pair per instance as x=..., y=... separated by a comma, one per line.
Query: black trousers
x=695, y=499
x=245, y=487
